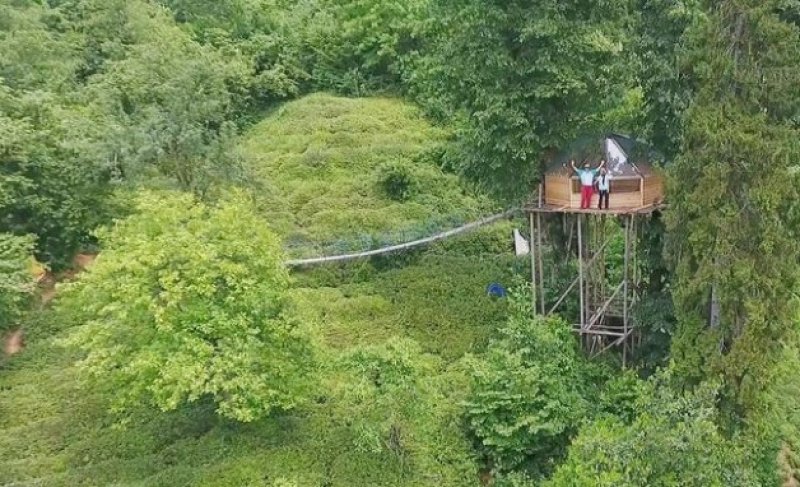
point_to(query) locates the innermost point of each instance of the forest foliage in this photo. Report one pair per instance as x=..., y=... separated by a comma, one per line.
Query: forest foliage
x=194, y=142
x=187, y=303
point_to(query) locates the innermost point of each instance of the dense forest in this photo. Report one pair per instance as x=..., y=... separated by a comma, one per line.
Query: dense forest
x=162, y=160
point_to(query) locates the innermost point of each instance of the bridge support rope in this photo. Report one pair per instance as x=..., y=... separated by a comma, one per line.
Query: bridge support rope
x=404, y=246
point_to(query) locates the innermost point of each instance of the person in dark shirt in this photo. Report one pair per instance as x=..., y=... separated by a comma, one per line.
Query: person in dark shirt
x=603, y=188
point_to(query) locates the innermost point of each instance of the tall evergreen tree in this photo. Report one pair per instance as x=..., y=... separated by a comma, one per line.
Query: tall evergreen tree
x=666, y=88
x=734, y=215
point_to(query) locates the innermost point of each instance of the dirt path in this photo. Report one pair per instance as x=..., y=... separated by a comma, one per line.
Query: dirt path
x=788, y=471
x=14, y=342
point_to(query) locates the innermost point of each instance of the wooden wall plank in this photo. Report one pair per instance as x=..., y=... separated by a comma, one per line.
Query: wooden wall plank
x=563, y=191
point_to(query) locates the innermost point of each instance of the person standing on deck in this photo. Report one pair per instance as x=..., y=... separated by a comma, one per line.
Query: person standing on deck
x=603, y=187
x=587, y=175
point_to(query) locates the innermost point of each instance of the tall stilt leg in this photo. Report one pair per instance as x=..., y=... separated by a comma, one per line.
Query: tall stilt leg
x=533, y=265
x=540, y=264
x=626, y=274
x=568, y=254
x=581, y=286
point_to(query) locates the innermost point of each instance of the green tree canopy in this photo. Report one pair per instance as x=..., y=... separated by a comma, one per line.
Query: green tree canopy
x=660, y=42
x=35, y=56
x=186, y=302
x=167, y=107
x=734, y=213
x=529, y=393
x=16, y=278
x=48, y=187
x=673, y=441
x=524, y=76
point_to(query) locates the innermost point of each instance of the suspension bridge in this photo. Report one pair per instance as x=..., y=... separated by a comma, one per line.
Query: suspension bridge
x=403, y=246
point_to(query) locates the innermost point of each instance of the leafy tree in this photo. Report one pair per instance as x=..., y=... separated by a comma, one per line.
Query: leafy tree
x=674, y=440
x=522, y=77
x=268, y=36
x=358, y=47
x=529, y=393
x=16, y=279
x=187, y=302
x=167, y=106
x=393, y=401
x=48, y=187
x=35, y=55
x=241, y=18
x=734, y=216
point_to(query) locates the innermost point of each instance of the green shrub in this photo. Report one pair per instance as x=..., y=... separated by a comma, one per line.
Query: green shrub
x=397, y=181
x=673, y=441
x=529, y=394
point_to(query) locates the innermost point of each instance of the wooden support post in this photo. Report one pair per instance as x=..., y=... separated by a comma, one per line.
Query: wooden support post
x=533, y=265
x=540, y=264
x=539, y=247
x=541, y=194
x=580, y=272
x=641, y=188
x=626, y=274
x=568, y=255
x=637, y=275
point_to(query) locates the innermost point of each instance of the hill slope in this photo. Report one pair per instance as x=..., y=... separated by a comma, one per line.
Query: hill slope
x=54, y=431
x=353, y=172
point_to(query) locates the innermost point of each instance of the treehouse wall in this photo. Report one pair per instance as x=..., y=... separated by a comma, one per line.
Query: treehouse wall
x=654, y=190
x=563, y=191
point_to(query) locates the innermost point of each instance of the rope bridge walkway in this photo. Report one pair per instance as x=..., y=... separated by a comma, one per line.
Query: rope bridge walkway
x=403, y=246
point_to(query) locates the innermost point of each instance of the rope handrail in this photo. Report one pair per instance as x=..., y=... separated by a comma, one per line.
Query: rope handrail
x=407, y=245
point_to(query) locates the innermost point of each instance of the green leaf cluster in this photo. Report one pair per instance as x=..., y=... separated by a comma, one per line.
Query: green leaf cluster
x=674, y=440
x=186, y=303
x=529, y=394
x=16, y=278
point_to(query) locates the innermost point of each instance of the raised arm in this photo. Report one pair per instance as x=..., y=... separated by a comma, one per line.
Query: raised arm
x=602, y=163
x=572, y=163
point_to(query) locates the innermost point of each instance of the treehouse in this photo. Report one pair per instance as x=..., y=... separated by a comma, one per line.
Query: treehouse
x=636, y=183
x=607, y=292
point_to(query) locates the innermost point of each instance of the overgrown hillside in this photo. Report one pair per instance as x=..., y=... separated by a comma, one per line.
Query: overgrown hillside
x=342, y=174
x=321, y=159
x=348, y=171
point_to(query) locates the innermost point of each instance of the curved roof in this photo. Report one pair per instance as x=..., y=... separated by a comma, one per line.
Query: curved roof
x=625, y=155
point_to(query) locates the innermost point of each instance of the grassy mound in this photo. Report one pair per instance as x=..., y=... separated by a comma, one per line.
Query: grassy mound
x=342, y=174
x=322, y=164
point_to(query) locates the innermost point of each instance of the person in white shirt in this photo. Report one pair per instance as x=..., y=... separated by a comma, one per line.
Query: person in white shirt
x=603, y=187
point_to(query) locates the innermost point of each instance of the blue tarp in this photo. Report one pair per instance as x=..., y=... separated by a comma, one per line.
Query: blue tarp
x=496, y=290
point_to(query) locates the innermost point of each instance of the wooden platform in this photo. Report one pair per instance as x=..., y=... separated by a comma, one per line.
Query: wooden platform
x=641, y=210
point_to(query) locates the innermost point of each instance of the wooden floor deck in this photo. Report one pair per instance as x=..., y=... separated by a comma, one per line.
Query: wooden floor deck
x=641, y=210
